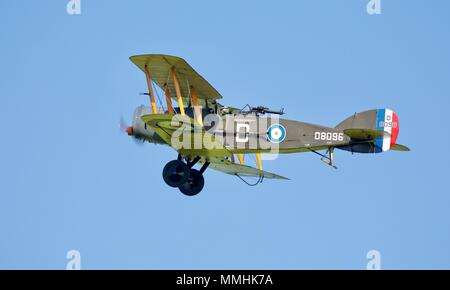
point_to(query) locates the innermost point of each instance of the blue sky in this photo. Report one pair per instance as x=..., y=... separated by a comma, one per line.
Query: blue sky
x=70, y=180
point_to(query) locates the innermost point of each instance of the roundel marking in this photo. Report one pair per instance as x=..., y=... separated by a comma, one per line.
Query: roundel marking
x=276, y=133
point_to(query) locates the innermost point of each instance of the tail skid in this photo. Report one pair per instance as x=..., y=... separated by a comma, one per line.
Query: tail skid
x=328, y=160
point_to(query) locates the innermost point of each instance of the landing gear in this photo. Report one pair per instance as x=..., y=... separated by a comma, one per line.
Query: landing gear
x=175, y=173
x=194, y=184
x=179, y=174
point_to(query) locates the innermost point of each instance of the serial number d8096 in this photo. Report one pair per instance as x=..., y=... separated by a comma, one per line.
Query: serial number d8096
x=388, y=124
x=329, y=136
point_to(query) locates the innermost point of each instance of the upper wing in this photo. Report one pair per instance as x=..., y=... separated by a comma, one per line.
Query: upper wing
x=160, y=67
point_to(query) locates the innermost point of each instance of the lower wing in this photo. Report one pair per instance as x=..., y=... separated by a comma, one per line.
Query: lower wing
x=165, y=127
x=229, y=167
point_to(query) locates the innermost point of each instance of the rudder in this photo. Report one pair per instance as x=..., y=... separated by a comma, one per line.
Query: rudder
x=380, y=125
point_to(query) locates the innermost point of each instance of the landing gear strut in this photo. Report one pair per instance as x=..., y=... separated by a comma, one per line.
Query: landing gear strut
x=179, y=174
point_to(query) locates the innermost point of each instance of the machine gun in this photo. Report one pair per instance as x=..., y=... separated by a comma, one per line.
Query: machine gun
x=260, y=110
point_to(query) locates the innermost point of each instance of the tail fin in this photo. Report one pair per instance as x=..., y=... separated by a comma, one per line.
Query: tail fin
x=382, y=126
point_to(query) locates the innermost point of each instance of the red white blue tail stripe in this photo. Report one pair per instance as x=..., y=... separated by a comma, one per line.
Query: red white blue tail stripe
x=387, y=121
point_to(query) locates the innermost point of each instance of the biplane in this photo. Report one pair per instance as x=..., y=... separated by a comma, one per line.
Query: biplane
x=206, y=133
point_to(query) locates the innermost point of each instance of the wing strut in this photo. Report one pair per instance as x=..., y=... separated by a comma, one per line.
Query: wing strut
x=197, y=109
x=258, y=159
x=241, y=158
x=168, y=99
x=150, y=90
x=178, y=91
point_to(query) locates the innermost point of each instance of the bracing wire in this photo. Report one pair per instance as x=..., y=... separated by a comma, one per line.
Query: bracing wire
x=157, y=94
x=189, y=92
x=167, y=84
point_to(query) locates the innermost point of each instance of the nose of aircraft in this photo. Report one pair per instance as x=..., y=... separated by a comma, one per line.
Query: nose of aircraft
x=130, y=131
x=124, y=127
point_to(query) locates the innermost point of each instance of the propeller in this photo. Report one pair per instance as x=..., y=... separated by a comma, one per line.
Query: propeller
x=127, y=129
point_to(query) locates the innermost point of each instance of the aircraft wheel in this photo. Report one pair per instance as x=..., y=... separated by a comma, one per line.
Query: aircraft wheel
x=175, y=173
x=194, y=184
